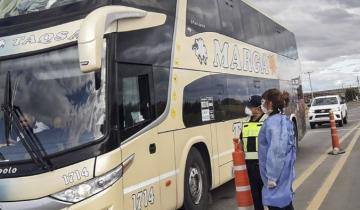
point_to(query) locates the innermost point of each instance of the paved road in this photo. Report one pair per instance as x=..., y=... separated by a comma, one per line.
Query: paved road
x=323, y=182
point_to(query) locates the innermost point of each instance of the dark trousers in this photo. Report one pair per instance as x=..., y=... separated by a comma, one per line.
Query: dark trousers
x=289, y=207
x=256, y=183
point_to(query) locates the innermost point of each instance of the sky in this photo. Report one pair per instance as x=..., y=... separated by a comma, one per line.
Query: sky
x=328, y=38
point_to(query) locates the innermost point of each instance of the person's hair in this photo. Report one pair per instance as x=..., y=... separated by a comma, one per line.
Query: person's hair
x=279, y=100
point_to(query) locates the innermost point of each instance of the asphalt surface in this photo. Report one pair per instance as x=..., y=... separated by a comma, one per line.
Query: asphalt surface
x=323, y=181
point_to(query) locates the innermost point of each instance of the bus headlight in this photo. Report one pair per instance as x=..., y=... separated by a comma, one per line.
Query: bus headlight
x=89, y=188
x=93, y=186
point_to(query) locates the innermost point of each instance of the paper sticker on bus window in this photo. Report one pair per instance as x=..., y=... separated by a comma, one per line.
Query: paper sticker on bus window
x=207, y=109
x=204, y=104
x=205, y=115
x=137, y=117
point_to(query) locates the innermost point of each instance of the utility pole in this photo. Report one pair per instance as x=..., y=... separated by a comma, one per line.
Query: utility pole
x=312, y=93
x=358, y=81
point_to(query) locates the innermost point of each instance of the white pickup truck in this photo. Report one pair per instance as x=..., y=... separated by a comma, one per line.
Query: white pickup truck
x=321, y=107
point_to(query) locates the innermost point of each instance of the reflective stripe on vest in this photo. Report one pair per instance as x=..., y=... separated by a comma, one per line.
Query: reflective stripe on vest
x=252, y=130
x=251, y=156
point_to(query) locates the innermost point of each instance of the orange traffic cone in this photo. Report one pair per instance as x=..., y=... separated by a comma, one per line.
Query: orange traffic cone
x=334, y=137
x=244, y=198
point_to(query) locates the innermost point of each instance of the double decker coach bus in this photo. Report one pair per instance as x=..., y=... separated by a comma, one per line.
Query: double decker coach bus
x=131, y=104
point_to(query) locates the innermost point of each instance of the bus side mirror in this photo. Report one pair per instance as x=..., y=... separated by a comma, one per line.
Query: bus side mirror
x=94, y=26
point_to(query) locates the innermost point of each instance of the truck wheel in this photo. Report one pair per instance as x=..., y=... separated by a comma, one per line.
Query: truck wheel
x=346, y=119
x=312, y=125
x=196, y=182
x=341, y=122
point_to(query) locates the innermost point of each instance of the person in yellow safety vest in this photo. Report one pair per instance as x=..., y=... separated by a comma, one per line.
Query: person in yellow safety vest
x=249, y=139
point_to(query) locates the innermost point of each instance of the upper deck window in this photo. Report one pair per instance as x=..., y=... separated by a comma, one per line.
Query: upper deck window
x=12, y=8
x=240, y=21
x=202, y=15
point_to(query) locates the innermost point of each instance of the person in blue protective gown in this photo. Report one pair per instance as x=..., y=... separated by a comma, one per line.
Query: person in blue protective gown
x=277, y=152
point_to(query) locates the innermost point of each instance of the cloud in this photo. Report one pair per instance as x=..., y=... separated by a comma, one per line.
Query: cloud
x=327, y=34
x=335, y=16
x=347, y=3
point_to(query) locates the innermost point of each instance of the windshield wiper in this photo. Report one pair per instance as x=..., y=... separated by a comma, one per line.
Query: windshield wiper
x=12, y=115
x=7, y=101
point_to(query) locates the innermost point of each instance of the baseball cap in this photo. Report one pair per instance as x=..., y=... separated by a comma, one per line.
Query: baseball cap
x=254, y=101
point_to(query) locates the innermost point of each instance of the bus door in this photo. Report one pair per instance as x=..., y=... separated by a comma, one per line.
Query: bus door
x=224, y=134
x=224, y=137
x=136, y=111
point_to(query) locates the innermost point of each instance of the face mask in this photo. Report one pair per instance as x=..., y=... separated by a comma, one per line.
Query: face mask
x=248, y=111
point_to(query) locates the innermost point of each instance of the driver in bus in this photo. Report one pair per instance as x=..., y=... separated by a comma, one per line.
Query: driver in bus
x=30, y=122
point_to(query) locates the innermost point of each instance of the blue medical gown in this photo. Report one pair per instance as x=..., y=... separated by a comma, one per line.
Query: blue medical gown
x=277, y=154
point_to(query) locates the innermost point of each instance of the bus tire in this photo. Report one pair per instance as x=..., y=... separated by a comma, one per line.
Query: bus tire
x=196, y=182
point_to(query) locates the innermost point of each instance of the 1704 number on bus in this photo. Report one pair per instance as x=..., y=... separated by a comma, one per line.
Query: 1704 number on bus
x=143, y=199
x=75, y=176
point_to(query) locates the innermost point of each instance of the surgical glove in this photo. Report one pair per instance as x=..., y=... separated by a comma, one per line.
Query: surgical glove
x=271, y=184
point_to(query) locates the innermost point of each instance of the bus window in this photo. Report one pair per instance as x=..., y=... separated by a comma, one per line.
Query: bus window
x=193, y=93
x=250, y=21
x=270, y=34
x=168, y=5
x=277, y=39
x=161, y=87
x=136, y=105
x=292, y=50
x=135, y=98
x=230, y=11
x=226, y=8
x=238, y=91
x=202, y=16
x=221, y=91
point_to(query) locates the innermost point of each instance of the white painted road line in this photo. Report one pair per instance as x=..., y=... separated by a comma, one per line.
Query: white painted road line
x=327, y=131
x=306, y=174
x=330, y=180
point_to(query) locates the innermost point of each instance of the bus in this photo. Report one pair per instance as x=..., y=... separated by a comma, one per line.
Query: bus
x=131, y=104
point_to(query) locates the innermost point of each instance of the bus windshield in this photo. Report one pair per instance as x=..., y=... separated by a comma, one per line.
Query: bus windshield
x=62, y=106
x=11, y=8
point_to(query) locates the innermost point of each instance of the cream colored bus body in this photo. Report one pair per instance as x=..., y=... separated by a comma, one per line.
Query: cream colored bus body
x=156, y=181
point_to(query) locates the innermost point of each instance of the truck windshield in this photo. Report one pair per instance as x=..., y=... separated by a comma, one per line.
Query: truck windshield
x=11, y=8
x=325, y=101
x=62, y=106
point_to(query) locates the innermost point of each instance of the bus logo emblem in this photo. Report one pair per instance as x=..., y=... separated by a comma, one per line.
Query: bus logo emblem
x=200, y=51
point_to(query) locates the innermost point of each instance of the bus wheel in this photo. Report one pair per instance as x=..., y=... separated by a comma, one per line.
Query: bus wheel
x=196, y=189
